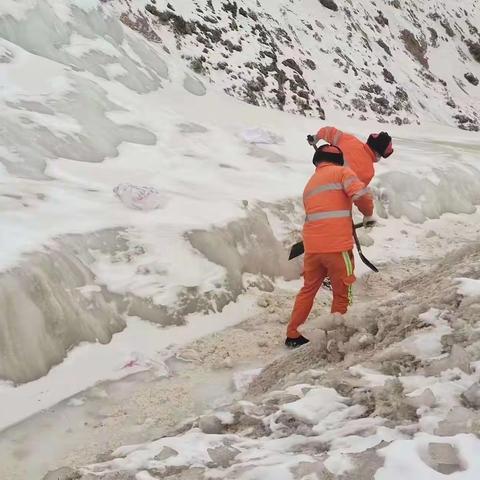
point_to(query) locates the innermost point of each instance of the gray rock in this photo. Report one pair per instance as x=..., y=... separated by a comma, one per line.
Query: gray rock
x=223, y=456
x=458, y=420
x=281, y=399
x=471, y=397
x=330, y=4
x=64, y=473
x=458, y=358
x=210, y=424
x=444, y=458
x=310, y=470
x=471, y=78
x=166, y=453
x=112, y=476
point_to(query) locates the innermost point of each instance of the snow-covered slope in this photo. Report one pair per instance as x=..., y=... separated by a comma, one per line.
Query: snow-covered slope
x=398, y=62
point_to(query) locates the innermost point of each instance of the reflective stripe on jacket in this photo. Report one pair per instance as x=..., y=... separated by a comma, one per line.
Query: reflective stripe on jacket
x=328, y=199
x=358, y=155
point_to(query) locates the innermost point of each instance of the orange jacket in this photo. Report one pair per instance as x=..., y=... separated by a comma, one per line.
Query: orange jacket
x=328, y=198
x=358, y=155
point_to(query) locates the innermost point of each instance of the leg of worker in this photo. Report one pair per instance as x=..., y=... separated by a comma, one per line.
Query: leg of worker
x=313, y=276
x=341, y=272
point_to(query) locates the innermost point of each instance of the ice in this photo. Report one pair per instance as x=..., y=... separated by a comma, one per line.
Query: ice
x=194, y=85
x=247, y=245
x=50, y=315
x=454, y=190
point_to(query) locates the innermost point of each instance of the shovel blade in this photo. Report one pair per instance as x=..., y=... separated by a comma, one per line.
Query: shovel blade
x=296, y=250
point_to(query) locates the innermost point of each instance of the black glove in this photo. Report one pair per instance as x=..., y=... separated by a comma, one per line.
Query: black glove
x=311, y=139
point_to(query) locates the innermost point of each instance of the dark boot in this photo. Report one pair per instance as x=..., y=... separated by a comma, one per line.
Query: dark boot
x=296, y=342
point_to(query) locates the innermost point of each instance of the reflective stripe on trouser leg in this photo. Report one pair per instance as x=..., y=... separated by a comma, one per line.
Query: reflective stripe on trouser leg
x=349, y=267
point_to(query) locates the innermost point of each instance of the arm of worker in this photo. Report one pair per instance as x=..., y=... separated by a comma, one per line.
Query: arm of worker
x=358, y=192
x=331, y=135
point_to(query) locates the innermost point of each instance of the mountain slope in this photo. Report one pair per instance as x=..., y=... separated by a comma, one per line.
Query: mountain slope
x=397, y=62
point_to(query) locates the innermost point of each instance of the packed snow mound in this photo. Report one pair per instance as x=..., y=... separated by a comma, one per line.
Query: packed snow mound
x=378, y=62
x=410, y=399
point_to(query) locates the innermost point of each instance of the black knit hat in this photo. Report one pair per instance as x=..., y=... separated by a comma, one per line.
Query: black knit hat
x=328, y=153
x=380, y=142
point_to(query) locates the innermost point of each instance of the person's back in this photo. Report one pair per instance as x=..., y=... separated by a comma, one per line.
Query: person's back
x=328, y=198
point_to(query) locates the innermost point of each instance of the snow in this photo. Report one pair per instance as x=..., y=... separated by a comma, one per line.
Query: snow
x=427, y=344
x=316, y=405
x=403, y=458
x=243, y=378
x=260, y=135
x=469, y=287
x=111, y=109
x=140, y=346
x=212, y=195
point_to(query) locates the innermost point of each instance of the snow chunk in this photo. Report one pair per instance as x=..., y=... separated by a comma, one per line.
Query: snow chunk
x=469, y=287
x=427, y=344
x=317, y=404
x=226, y=418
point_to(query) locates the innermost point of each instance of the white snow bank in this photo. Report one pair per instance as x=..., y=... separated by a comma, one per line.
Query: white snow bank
x=141, y=346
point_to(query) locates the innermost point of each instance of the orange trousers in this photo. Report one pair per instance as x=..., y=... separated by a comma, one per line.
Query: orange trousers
x=339, y=267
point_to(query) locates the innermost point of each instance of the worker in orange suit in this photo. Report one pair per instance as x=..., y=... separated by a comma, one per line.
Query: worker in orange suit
x=328, y=236
x=359, y=156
